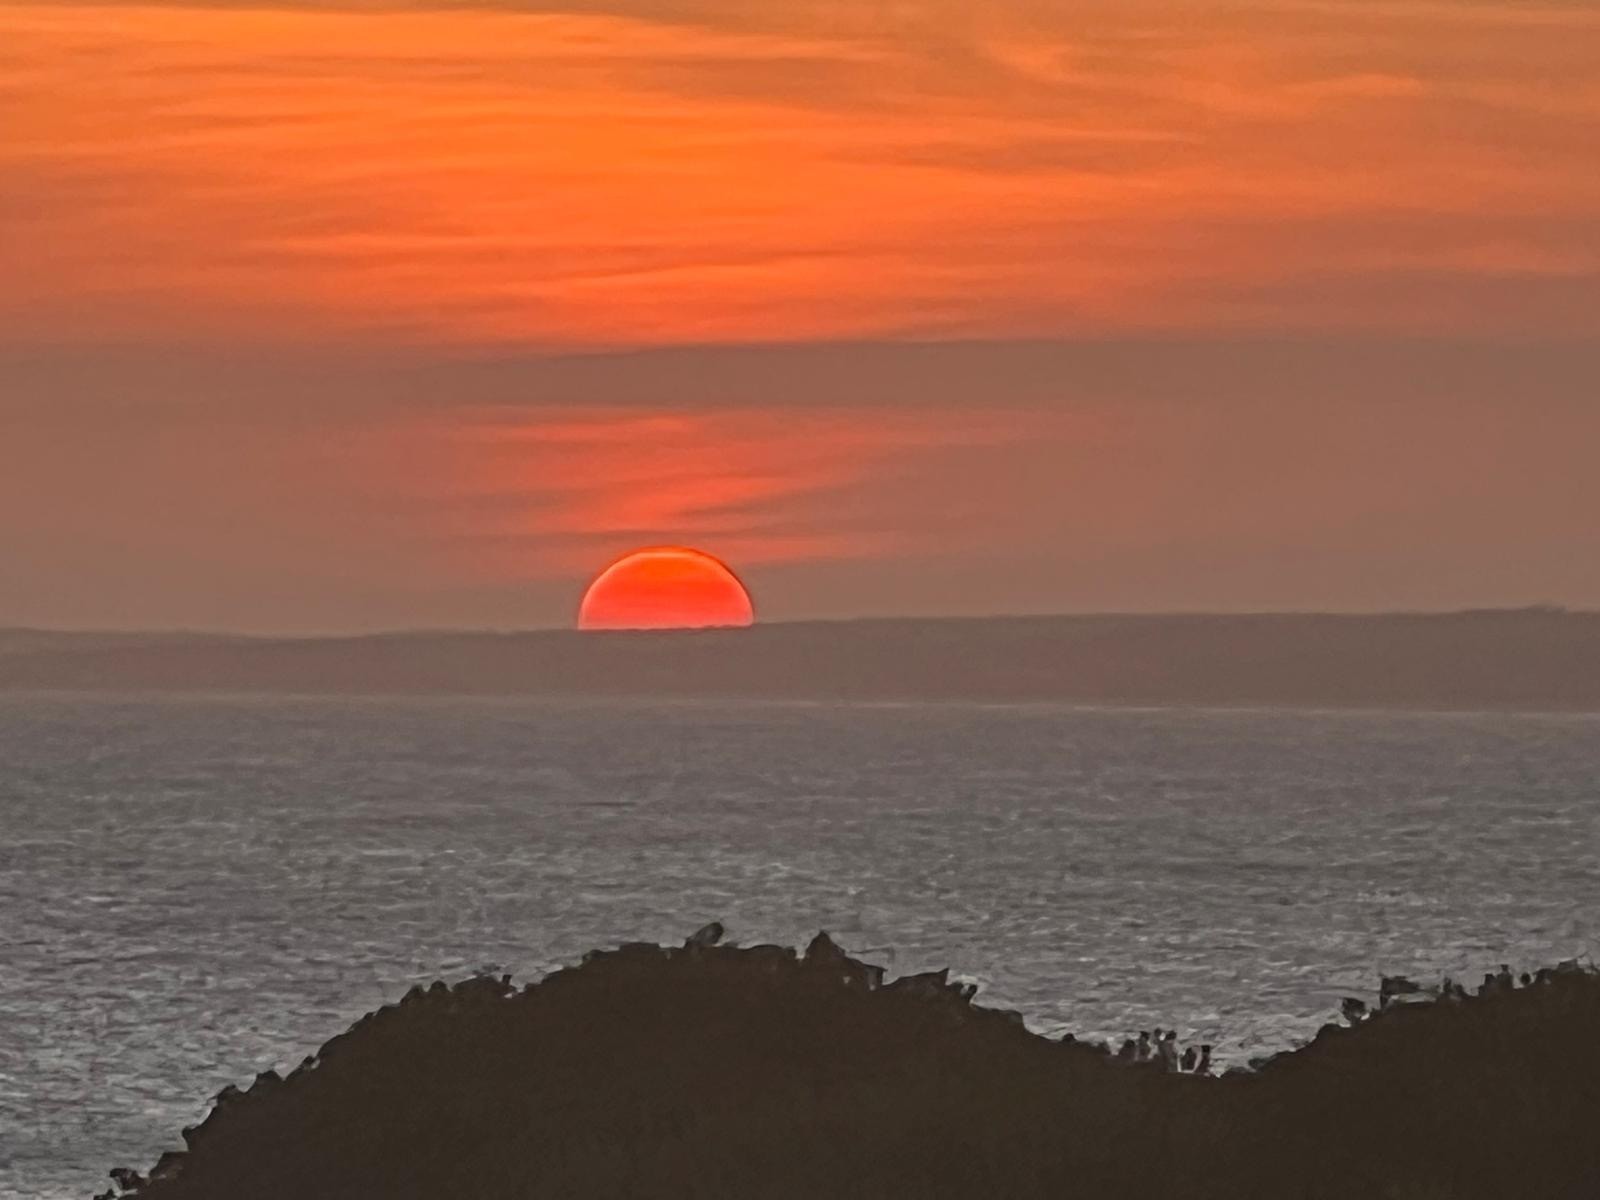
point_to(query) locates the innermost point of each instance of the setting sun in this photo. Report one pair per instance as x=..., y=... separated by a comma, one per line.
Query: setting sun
x=666, y=587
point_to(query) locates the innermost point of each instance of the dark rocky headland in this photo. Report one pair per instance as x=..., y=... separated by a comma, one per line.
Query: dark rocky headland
x=711, y=1071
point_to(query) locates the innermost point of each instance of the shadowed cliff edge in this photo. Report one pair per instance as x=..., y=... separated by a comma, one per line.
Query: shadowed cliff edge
x=713, y=1071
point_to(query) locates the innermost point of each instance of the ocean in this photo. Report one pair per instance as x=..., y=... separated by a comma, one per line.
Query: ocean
x=193, y=890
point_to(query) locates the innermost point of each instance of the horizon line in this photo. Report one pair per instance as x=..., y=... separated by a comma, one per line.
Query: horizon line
x=449, y=631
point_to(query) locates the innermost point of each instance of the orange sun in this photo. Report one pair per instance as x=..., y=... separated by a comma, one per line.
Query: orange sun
x=665, y=587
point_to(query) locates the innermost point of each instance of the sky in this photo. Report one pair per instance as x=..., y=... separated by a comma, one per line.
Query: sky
x=319, y=318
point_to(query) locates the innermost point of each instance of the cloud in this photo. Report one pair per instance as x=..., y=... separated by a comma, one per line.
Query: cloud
x=312, y=490
x=319, y=316
x=536, y=491
x=661, y=174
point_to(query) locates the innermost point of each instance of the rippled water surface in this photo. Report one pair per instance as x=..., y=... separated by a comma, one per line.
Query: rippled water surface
x=192, y=891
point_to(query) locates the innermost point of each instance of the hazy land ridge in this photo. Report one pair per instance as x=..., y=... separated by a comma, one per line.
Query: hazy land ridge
x=1526, y=659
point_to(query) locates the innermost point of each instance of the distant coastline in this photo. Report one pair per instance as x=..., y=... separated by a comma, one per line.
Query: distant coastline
x=1529, y=660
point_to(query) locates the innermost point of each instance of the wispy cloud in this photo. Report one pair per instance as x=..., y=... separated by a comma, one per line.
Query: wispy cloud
x=316, y=490
x=538, y=492
x=321, y=307
x=650, y=173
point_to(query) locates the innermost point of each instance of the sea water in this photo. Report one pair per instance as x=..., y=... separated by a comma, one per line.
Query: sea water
x=195, y=890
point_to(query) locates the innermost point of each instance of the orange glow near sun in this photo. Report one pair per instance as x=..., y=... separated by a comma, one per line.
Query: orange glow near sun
x=666, y=587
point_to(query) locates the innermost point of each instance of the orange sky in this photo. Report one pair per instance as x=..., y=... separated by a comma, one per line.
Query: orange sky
x=289, y=299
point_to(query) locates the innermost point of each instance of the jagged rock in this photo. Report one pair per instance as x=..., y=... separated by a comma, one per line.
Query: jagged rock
x=167, y=1166
x=707, y=935
x=1392, y=987
x=127, y=1179
x=927, y=984
x=823, y=953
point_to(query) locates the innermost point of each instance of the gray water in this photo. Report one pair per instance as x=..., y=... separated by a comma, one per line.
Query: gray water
x=192, y=891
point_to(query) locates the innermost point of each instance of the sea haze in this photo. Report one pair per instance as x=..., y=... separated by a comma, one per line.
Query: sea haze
x=194, y=890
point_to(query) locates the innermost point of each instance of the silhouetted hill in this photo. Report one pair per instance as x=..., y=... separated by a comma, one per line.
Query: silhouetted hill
x=1534, y=659
x=720, y=1073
